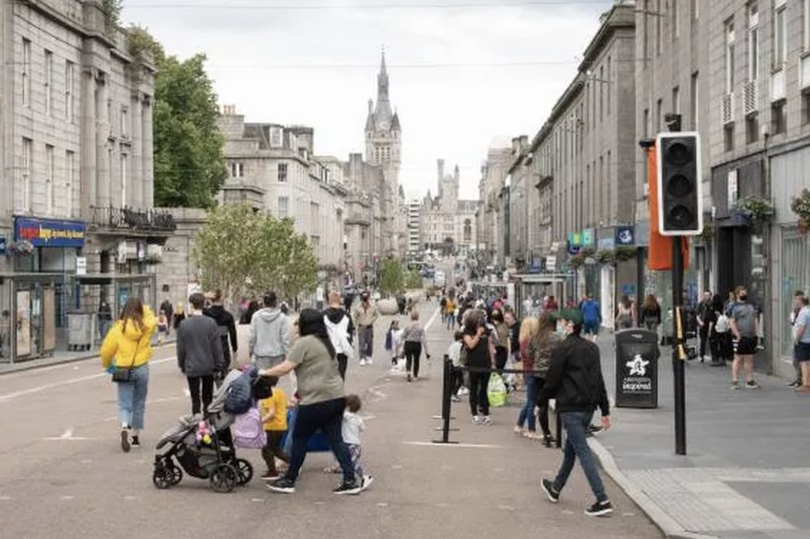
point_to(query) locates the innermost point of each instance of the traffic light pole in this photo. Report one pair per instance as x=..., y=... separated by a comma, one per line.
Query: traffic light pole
x=678, y=359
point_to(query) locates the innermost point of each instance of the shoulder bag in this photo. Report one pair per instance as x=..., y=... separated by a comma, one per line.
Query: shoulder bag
x=124, y=374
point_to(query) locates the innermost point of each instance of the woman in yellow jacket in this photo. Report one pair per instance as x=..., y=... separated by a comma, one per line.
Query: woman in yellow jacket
x=128, y=345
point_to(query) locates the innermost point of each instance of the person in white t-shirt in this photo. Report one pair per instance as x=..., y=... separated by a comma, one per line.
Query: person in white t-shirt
x=454, y=353
x=353, y=427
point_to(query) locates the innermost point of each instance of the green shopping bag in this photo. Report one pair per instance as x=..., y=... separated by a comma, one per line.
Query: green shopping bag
x=496, y=391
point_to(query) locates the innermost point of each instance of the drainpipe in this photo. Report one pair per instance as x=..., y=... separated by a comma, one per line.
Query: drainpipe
x=770, y=301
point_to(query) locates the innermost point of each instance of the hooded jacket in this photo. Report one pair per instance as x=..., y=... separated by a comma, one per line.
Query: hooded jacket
x=340, y=328
x=574, y=377
x=269, y=334
x=227, y=327
x=130, y=346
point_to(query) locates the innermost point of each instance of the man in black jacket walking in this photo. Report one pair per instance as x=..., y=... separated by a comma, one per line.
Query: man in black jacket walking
x=199, y=354
x=226, y=324
x=575, y=380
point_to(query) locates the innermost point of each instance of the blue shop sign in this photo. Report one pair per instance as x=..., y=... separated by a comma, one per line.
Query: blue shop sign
x=625, y=236
x=50, y=232
x=573, y=249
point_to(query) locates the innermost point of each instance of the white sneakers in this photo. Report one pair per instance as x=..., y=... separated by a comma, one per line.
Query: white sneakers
x=366, y=361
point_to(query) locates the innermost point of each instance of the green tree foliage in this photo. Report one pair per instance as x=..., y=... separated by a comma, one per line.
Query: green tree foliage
x=188, y=146
x=245, y=253
x=413, y=280
x=392, y=276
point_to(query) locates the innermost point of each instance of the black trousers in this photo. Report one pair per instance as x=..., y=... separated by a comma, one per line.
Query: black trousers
x=703, y=332
x=479, y=401
x=343, y=363
x=202, y=392
x=458, y=380
x=413, y=351
x=501, y=355
x=542, y=404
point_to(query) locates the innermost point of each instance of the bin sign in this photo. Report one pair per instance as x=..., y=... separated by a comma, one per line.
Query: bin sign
x=637, y=357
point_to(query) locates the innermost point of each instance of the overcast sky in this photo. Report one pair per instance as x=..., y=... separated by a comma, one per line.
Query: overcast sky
x=462, y=71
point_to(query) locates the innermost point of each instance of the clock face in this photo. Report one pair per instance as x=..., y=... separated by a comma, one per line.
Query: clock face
x=384, y=125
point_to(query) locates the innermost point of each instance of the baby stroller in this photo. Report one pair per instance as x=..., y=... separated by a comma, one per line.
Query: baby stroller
x=202, y=446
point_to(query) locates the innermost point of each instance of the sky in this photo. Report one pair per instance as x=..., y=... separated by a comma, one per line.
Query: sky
x=463, y=73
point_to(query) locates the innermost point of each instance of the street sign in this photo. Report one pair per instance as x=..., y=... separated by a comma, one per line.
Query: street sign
x=3, y=246
x=81, y=265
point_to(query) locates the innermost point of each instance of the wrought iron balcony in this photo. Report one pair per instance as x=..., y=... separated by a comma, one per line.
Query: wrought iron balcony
x=133, y=220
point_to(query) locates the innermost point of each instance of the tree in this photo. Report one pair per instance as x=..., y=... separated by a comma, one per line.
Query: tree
x=188, y=146
x=243, y=253
x=392, y=276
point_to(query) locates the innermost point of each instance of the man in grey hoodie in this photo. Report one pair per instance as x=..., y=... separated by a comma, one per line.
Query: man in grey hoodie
x=269, y=334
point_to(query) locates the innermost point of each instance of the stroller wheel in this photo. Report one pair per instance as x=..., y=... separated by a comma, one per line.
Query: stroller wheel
x=244, y=471
x=223, y=478
x=176, y=474
x=163, y=477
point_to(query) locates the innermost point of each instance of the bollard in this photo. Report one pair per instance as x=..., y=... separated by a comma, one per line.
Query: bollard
x=447, y=391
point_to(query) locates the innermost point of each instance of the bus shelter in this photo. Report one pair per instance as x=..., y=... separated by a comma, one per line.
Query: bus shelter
x=536, y=286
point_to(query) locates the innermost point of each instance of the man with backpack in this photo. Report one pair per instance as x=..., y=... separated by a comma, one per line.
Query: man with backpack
x=226, y=325
x=341, y=331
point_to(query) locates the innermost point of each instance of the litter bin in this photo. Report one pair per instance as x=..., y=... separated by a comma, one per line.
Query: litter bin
x=637, y=357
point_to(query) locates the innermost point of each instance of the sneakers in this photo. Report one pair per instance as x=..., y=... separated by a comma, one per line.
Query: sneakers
x=136, y=442
x=282, y=485
x=735, y=385
x=270, y=476
x=362, y=362
x=487, y=420
x=367, y=481
x=463, y=391
x=348, y=488
x=519, y=430
x=455, y=398
x=476, y=419
x=599, y=509
x=409, y=377
x=125, y=446
x=552, y=493
x=369, y=361
x=795, y=383
x=752, y=384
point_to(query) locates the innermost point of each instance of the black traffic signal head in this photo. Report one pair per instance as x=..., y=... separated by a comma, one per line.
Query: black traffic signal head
x=680, y=201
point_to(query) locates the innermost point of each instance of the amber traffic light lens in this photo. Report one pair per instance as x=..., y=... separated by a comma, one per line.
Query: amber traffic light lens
x=679, y=154
x=679, y=186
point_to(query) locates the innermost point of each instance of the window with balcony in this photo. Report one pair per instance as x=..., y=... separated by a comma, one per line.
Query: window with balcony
x=282, y=172
x=751, y=129
x=283, y=207
x=659, y=27
x=806, y=25
x=676, y=25
x=728, y=137
x=124, y=179
x=676, y=100
x=753, y=42
x=124, y=122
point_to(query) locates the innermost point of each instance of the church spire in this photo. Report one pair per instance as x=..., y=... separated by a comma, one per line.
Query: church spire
x=383, y=112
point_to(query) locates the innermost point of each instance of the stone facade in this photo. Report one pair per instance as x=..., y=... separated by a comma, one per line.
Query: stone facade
x=487, y=220
x=448, y=222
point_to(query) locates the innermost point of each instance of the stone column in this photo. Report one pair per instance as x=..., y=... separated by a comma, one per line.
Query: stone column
x=104, y=174
x=89, y=128
x=147, y=170
x=136, y=186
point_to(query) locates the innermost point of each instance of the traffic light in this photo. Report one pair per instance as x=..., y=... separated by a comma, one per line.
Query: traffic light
x=680, y=201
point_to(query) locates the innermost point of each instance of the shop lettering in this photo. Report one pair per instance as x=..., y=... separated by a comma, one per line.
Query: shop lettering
x=42, y=233
x=637, y=385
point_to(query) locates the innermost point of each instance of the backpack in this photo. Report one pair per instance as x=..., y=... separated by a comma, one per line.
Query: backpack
x=722, y=325
x=239, y=398
x=248, y=432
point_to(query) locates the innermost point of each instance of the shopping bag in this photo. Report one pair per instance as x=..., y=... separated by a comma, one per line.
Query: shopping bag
x=496, y=391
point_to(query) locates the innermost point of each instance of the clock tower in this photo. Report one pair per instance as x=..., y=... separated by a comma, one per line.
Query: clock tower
x=383, y=149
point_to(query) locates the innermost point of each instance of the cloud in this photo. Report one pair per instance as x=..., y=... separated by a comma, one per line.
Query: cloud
x=459, y=77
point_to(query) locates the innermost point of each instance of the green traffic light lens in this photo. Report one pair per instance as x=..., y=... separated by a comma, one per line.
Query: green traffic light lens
x=679, y=186
x=679, y=154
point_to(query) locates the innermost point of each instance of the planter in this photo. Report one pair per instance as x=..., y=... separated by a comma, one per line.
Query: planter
x=801, y=207
x=388, y=306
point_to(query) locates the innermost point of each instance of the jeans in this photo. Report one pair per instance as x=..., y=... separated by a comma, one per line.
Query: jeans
x=356, y=453
x=132, y=398
x=343, y=363
x=450, y=321
x=576, y=446
x=328, y=417
x=479, y=400
x=527, y=412
x=413, y=351
x=365, y=338
x=200, y=401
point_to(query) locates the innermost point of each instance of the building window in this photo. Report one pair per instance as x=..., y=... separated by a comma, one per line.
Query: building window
x=753, y=42
x=601, y=93
x=729, y=61
x=676, y=25
x=778, y=118
x=124, y=179
x=70, y=178
x=806, y=108
x=676, y=100
x=27, y=166
x=728, y=137
x=70, y=74
x=50, y=165
x=609, y=83
x=659, y=28
x=282, y=172
x=751, y=129
x=237, y=169
x=646, y=127
x=779, y=34
x=48, y=87
x=695, y=104
x=124, y=122
x=806, y=25
x=283, y=207
x=26, y=72
x=276, y=137
x=696, y=9
x=659, y=116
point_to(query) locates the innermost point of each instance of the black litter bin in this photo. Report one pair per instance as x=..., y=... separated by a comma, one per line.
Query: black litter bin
x=637, y=357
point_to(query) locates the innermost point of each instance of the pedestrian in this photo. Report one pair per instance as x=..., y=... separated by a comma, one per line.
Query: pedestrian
x=501, y=338
x=450, y=309
x=651, y=313
x=364, y=315
x=341, y=331
x=104, y=318
x=199, y=354
x=720, y=334
x=624, y=314
x=274, y=421
x=480, y=359
x=167, y=308
x=575, y=380
x=226, y=325
x=392, y=342
x=744, y=327
x=591, y=316
x=162, y=327
x=352, y=430
x=801, y=344
x=513, y=326
x=796, y=308
x=414, y=339
x=528, y=329
x=179, y=315
x=705, y=316
x=541, y=348
x=321, y=401
x=269, y=340
x=247, y=315
x=454, y=354
x=128, y=345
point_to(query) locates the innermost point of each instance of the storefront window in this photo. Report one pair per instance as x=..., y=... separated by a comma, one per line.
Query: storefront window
x=795, y=276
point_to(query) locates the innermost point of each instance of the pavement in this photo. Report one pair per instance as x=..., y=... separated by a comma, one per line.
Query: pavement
x=62, y=474
x=746, y=474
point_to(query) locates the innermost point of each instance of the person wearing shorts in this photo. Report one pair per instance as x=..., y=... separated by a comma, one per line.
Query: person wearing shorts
x=801, y=347
x=744, y=327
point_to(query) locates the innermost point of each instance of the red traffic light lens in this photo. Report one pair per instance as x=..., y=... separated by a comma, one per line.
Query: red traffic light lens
x=678, y=153
x=679, y=186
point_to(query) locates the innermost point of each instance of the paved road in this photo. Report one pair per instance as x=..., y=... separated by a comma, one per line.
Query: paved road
x=63, y=476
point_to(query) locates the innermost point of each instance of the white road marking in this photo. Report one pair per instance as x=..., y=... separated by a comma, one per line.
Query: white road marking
x=5, y=498
x=129, y=498
x=66, y=498
x=567, y=512
x=320, y=503
x=11, y=396
x=628, y=514
x=477, y=446
x=66, y=436
x=376, y=393
x=397, y=466
x=433, y=318
x=506, y=508
x=87, y=461
x=382, y=504
x=257, y=500
x=369, y=416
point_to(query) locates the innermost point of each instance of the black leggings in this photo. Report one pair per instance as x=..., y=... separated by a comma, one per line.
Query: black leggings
x=478, y=393
x=413, y=350
x=458, y=380
x=542, y=404
x=199, y=403
x=501, y=355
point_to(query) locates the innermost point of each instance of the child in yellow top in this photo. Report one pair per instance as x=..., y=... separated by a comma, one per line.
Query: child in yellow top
x=274, y=417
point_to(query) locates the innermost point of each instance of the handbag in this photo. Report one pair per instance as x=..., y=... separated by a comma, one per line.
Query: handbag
x=124, y=374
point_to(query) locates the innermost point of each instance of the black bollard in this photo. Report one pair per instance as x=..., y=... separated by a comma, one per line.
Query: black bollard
x=447, y=392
